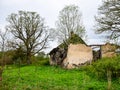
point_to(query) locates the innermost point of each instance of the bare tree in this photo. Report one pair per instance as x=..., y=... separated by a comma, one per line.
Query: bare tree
x=69, y=21
x=3, y=37
x=30, y=29
x=108, y=19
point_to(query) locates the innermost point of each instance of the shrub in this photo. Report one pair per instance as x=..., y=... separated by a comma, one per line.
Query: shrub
x=100, y=67
x=19, y=55
x=7, y=57
x=40, y=60
x=106, y=68
x=105, y=64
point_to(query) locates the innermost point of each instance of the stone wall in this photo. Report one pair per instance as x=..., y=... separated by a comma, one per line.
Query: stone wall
x=57, y=55
x=77, y=55
x=108, y=50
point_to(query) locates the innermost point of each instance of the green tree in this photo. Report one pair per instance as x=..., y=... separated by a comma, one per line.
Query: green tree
x=107, y=67
x=19, y=54
x=108, y=19
x=69, y=21
x=29, y=28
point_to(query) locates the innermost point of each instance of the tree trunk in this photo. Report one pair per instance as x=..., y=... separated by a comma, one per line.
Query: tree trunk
x=3, y=63
x=1, y=74
x=1, y=70
x=28, y=58
x=109, y=78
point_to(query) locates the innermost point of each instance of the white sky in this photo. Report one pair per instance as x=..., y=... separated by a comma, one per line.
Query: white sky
x=49, y=9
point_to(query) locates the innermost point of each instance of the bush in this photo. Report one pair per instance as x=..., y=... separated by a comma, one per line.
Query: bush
x=106, y=68
x=7, y=57
x=100, y=67
x=19, y=55
x=40, y=60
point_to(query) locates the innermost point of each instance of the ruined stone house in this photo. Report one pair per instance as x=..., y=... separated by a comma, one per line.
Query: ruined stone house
x=75, y=56
x=109, y=50
x=79, y=54
x=105, y=50
x=60, y=54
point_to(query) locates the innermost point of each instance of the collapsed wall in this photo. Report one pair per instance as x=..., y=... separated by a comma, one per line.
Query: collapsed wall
x=77, y=55
x=108, y=50
x=57, y=55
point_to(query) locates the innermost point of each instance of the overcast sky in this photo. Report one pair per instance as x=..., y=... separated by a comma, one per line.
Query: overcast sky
x=49, y=9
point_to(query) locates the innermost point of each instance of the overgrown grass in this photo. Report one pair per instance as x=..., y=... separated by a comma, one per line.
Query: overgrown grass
x=41, y=77
x=50, y=78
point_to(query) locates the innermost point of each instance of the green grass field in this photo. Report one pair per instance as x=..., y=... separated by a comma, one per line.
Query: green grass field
x=51, y=78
